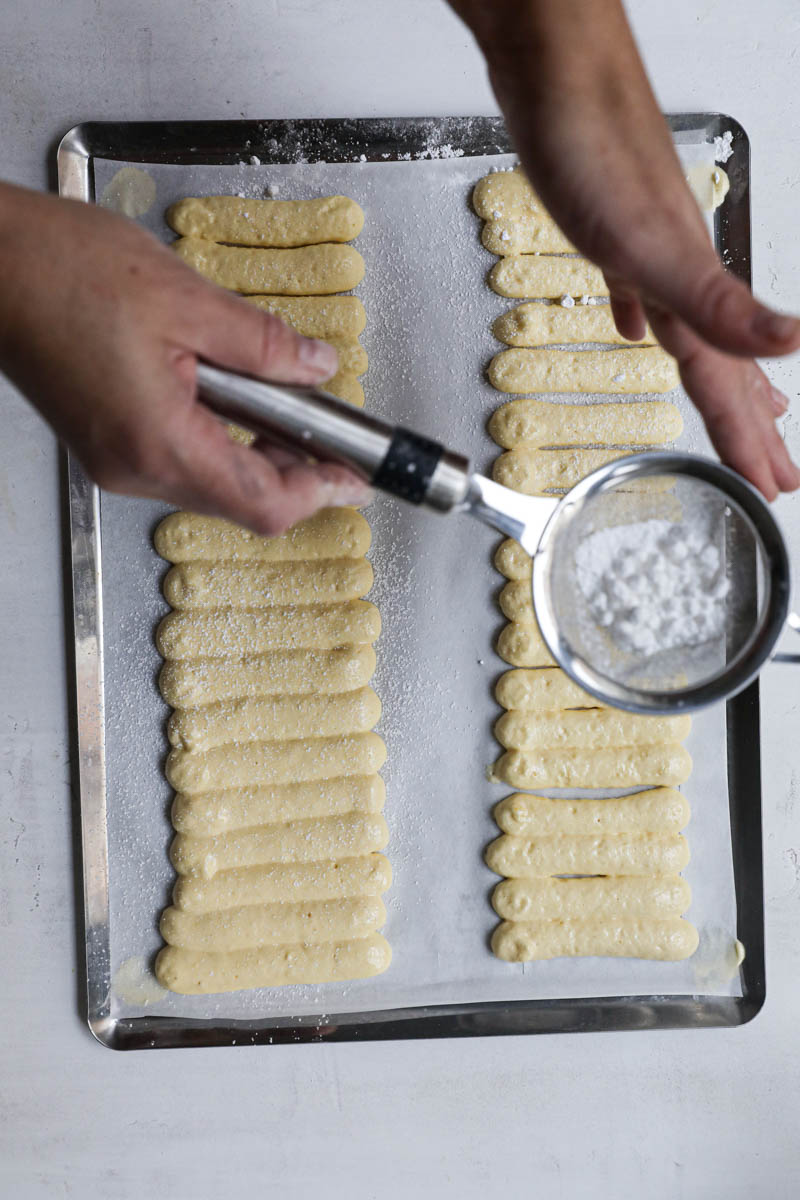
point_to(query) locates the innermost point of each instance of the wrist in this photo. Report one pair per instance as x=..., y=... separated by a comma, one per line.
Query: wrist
x=24, y=217
x=7, y=240
x=542, y=34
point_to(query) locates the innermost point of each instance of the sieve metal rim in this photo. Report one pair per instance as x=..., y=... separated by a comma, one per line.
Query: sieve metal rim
x=744, y=668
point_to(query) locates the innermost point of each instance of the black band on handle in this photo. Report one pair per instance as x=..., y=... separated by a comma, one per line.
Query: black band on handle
x=408, y=467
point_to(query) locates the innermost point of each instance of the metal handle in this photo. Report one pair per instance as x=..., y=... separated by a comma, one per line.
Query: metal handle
x=792, y=622
x=321, y=426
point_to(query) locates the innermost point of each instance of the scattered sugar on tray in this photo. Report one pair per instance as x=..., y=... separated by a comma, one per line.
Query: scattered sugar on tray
x=723, y=148
x=653, y=585
x=434, y=150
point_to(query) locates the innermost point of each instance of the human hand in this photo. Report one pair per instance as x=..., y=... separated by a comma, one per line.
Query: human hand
x=101, y=328
x=594, y=144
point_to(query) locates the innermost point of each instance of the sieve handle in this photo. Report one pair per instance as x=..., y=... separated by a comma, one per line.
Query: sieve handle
x=309, y=420
x=792, y=622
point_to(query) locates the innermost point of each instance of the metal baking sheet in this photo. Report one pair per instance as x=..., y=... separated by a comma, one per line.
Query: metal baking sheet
x=428, y=337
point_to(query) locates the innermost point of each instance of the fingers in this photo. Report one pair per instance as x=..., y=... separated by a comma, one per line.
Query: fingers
x=778, y=401
x=684, y=275
x=279, y=456
x=182, y=453
x=268, y=492
x=228, y=331
x=626, y=308
x=737, y=403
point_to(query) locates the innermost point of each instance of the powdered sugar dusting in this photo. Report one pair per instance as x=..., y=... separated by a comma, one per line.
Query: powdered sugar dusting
x=653, y=585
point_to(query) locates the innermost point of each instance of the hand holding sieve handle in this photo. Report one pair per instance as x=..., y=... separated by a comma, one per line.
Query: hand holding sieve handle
x=309, y=420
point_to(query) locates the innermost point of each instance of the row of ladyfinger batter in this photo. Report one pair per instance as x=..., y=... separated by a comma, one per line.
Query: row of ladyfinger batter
x=278, y=805
x=583, y=877
x=268, y=656
x=548, y=447
x=289, y=258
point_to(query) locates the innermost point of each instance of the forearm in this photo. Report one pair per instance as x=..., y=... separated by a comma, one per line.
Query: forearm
x=582, y=114
x=543, y=32
x=101, y=327
x=11, y=199
x=591, y=138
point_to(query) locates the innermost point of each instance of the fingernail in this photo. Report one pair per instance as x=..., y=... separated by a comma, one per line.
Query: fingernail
x=780, y=401
x=774, y=326
x=357, y=498
x=319, y=356
x=348, y=490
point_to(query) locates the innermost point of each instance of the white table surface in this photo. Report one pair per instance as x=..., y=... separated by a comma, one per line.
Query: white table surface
x=666, y=1115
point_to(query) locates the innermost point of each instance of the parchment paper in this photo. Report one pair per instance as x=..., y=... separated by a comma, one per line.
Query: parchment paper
x=428, y=338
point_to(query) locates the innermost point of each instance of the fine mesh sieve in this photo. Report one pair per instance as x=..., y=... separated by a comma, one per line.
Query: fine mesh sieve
x=676, y=520
x=701, y=522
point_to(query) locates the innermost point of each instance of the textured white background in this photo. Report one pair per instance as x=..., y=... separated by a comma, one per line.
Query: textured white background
x=666, y=1115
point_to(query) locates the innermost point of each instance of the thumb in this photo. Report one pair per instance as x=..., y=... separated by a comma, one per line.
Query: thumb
x=228, y=331
x=626, y=307
x=265, y=489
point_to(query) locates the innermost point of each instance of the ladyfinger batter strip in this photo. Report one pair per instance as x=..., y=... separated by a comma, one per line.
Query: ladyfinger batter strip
x=523, y=646
x=587, y=729
x=589, y=854
x=541, y=691
x=312, y=840
x=364, y=875
x=266, y=763
x=667, y=940
x=330, y=533
x=528, y=234
x=306, y=271
x=549, y=277
x=506, y=194
x=188, y=683
x=512, y=561
x=539, y=423
x=325, y=317
x=258, y=222
x=516, y=602
x=658, y=810
x=345, y=386
x=255, y=925
x=624, y=372
x=273, y=718
x=221, y=632
x=540, y=472
x=610, y=897
x=192, y=585
x=621, y=767
x=195, y=972
x=553, y=325
x=212, y=813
